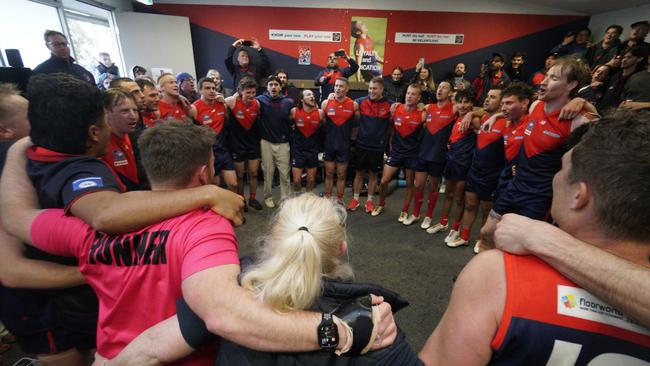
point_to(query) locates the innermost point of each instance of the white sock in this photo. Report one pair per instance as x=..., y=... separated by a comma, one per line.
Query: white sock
x=356, y=196
x=369, y=198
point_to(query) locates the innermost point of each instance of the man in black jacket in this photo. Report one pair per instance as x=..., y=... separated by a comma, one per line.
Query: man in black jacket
x=251, y=61
x=61, y=61
x=327, y=77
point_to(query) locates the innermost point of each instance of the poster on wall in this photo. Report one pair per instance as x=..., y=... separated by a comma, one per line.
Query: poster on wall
x=369, y=35
x=304, y=55
x=429, y=38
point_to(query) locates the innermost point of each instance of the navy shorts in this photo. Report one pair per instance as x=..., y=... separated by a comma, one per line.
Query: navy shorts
x=431, y=168
x=532, y=206
x=338, y=155
x=368, y=159
x=304, y=160
x=483, y=185
x=398, y=160
x=251, y=154
x=222, y=161
x=455, y=171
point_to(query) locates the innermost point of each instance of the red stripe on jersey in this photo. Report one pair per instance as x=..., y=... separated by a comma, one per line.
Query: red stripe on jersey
x=211, y=115
x=545, y=132
x=246, y=115
x=169, y=111
x=513, y=137
x=485, y=138
x=307, y=123
x=406, y=122
x=339, y=112
x=456, y=133
x=439, y=117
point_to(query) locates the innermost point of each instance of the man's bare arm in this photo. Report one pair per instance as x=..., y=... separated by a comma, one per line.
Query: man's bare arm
x=113, y=212
x=16, y=271
x=621, y=283
x=466, y=330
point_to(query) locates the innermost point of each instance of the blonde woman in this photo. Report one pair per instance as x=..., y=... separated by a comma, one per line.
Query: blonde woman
x=301, y=266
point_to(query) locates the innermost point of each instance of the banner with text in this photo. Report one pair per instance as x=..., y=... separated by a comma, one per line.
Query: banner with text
x=304, y=35
x=369, y=36
x=429, y=38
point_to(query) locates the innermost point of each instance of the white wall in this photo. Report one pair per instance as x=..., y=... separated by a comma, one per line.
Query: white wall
x=473, y=6
x=599, y=23
x=155, y=41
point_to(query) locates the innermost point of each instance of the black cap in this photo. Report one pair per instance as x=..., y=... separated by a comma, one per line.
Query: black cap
x=640, y=22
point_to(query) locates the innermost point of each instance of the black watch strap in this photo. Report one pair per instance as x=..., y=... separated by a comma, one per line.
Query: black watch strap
x=328, y=333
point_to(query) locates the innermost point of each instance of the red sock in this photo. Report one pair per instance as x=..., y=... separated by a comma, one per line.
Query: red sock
x=382, y=201
x=328, y=194
x=252, y=195
x=405, y=208
x=433, y=198
x=456, y=225
x=339, y=196
x=464, y=234
x=417, y=205
x=444, y=219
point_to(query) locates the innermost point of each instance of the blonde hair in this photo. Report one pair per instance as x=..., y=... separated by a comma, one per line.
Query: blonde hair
x=303, y=246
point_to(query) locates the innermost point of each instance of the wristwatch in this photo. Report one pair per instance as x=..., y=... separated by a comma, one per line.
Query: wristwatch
x=328, y=333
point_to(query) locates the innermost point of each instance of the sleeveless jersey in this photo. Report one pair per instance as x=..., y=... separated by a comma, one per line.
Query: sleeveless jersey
x=149, y=118
x=169, y=111
x=407, y=130
x=548, y=319
x=242, y=135
x=461, y=144
x=213, y=116
x=540, y=156
x=304, y=135
x=439, y=122
x=121, y=159
x=489, y=153
x=339, y=122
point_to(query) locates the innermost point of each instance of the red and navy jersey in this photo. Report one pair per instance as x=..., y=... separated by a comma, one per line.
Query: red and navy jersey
x=339, y=122
x=149, y=118
x=169, y=111
x=540, y=156
x=407, y=126
x=513, y=137
x=374, y=122
x=304, y=135
x=121, y=159
x=461, y=144
x=242, y=135
x=214, y=116
x=438, y=125
x=548, y=318
x=489, y=156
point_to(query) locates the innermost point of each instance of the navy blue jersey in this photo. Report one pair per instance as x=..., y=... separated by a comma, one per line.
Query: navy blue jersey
x=242, y=135
x=489, y=155
x=549, y=320
x=373, y=123
x=438, y=125
x=304, y=134
x=461, y=144
x=540, y=155
x=339, y=122
x=407, y=126
x=273, y=125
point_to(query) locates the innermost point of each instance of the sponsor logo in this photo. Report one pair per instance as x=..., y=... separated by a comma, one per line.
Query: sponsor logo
x=398, y=121
x=85, y=183
x=331, y=112
x=578, y=303
x=552, y=134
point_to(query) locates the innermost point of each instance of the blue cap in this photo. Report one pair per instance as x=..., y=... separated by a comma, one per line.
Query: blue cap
x=182, y=77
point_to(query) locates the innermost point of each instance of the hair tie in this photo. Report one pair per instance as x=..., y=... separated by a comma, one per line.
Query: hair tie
x=304, y=228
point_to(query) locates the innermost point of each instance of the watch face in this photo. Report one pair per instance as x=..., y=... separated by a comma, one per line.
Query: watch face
x=328, y=333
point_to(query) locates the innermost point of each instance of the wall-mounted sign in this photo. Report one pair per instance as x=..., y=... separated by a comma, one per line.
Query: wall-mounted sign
x=429, y=38
x=304, y=35
x=304, y=55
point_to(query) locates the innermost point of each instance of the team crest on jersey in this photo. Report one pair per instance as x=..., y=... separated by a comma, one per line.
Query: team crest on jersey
x=529, y=127
x=398, y=121
x=300, y=122
x=207, y=120
x=332, y=111
x=240, y=114
x=119, y=158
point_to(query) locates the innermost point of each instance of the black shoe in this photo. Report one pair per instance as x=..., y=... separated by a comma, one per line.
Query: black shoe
x=245, y=207
x=255, y=204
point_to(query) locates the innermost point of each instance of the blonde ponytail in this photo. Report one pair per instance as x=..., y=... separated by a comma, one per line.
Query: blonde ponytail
x=303, y=246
